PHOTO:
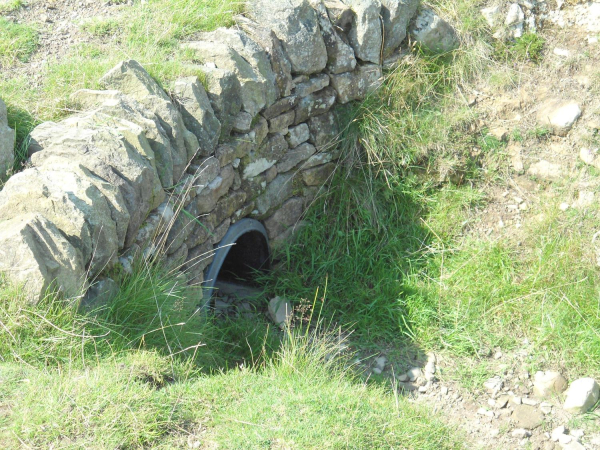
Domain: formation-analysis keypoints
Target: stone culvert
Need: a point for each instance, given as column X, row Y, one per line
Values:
column 139, row 169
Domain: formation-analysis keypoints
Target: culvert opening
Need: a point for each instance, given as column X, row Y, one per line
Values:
column 241, row 255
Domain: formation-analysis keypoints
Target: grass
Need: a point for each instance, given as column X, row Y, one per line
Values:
column 529, row 47
column 7, row 6
column 17, row 42
column 391, row 240
column 73, row 381
column 100, row 27
column 497, row 293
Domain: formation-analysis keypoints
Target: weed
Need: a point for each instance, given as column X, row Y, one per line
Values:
column 538, row 132
column 17, row 42
column 489, row 143
column 517, row 135
column 528, row 47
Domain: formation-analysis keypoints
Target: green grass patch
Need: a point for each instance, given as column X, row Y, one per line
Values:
column 298, row 399
column 17, row 42
column 483, row 294
column 100, row 27
column 125, row 377
column 529, row 47
column 7, row 6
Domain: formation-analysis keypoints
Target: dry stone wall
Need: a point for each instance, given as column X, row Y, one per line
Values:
column 252, row 134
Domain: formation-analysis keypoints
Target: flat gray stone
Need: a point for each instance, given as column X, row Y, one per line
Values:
column 527, row 417
column 280, row 312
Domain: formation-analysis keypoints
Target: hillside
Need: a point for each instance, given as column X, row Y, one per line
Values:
column 444, row 281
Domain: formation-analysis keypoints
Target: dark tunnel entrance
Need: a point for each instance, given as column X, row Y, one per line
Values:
column 249, row 254
column 242, row 252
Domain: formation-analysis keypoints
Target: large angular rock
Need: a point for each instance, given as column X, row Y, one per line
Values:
column 264, row 157
column 36, row 254
column 115, row 150
column 180, row 229
column 365, row 34
column 234, row 50
column 280, row 106
column 317, row 176
column 99, row 295
column 358, row 84
column 396, row 15
column 130, row 78
column 340, row 55
column 296, row 24
column 297, row 135
column 223, row 89
column 207, row 200
column 116, row 104
column 547, row 384
column 582, row 395
column 433, row 33
column 559, row 115
column 340, row 14
column 311, row 85
column 66, row 197
column 7, row 143
column 280, row 64
column 198, row 115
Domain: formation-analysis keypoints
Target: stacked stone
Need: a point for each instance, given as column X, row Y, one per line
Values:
column 273, row 84
column 7, row 142
column 143, row 171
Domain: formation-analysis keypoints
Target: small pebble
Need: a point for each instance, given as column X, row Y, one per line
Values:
column 380, row 362
column 529, row 401
column 521, row 433
column 562, row 52
column 414, row 373
column 557, row 432
column 565, row 439
column 546, row 407
column 577, row 434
